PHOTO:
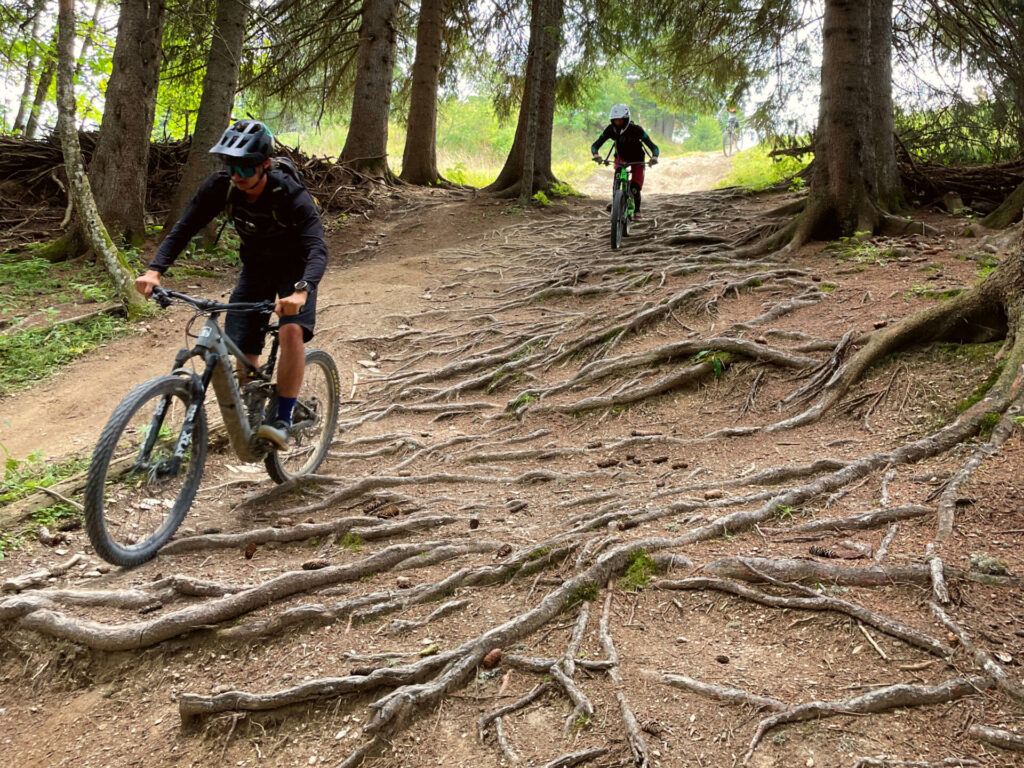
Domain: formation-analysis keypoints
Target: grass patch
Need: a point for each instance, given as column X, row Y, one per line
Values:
column 638, row 572
column 981, row 390
column 927, row 292
column 989, row 423
column 27, row 285
column 24, row 478
column 861, row 250
column 753, row 169
column 524, row 399
column 585, row 593
column 27, row 357
column 353, row 542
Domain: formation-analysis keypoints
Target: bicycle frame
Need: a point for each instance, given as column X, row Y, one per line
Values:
column 216, row 349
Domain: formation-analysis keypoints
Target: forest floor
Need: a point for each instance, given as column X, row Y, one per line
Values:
column 538, row 452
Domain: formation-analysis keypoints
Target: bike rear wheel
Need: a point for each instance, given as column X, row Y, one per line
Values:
column 138, row 492
column 618, row 217
column 314, row 421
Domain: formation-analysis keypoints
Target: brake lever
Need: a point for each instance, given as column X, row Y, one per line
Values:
column 160, row 297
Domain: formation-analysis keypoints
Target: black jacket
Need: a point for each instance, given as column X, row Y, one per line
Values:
column 628, row 143
column 282, row 237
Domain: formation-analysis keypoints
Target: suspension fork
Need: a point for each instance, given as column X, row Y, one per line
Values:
column 198, row 386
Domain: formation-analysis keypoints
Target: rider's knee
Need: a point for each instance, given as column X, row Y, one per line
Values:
column 290, row 335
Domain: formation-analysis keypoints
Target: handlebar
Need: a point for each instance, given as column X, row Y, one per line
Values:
column 165, row 298
column 617, row 164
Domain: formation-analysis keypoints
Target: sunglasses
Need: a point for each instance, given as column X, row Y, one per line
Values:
column 245, row 171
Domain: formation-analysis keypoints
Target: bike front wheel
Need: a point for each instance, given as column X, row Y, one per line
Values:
column 727, row 144
column 313, row 421
column 618, row 217
column 145, row 471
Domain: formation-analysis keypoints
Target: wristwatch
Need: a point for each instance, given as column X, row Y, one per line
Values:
column 303, row 285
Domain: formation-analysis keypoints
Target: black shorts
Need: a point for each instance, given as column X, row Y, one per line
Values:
column 248, row 329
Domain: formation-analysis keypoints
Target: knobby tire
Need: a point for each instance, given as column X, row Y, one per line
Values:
column 116, row 448
column 283, row 467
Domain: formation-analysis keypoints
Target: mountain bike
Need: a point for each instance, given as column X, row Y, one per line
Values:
column 149, row 459
column 623, row 206
column 730, row 140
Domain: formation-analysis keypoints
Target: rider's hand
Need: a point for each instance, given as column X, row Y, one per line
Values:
column 147, row 281
column 290, row 304
column 654, row 160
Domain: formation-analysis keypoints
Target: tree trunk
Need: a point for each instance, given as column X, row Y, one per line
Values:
column 119, row 167
column 42, row 88
column 219, row 86
column 366, row 145
column 419, row 161
column 91, row 224
column 1008, row 211
column 888, row 188
column 854, row 150
column 25, row 104
column 510, row 179
column 530, row 106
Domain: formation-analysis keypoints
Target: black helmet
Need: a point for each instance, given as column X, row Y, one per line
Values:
column 247, row 142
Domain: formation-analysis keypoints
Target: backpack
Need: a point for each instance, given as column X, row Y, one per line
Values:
column 286, row 166
column 289, row 169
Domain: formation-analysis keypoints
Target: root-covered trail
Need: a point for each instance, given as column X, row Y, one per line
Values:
column 560, row 525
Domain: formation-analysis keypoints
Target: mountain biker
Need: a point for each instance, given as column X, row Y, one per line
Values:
column 283, row 254
column 732, row 124
column 629, row 140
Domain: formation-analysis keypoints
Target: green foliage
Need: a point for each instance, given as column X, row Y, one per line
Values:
column 784, row 512
column 582, row 721
column 718, row 360
column 585, row 593
column 24, row 477
column 352, row 541
column 564, row 189
column 925, row 291
column 29, row 356
column 638, row 572
column 982, row 389
column 524, row 399
column 754, row 169
column 861, row 249
column 989, row 423
column 541, row 199
column 705, row 136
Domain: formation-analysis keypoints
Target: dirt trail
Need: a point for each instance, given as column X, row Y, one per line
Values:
column 394, row 265
column 693, row 172
column 514, row 488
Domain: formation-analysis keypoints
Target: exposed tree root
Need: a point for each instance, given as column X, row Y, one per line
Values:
column 997, row 737
column 809, row 571
column 817, row 602
column 950, row 495
column 981, row 658
column 859, row 522
column 891, row 697
column 720, row 693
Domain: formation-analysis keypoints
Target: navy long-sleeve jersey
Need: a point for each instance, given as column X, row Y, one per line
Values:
column 628, row 142
column 281, row 233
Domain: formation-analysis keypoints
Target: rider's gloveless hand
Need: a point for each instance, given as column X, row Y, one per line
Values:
column 147, row 281
column 290, row 304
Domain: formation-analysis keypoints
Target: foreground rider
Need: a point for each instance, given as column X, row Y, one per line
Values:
column 629, row 140
column 283, row 254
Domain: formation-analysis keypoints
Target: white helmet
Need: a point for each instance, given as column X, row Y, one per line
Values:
column 619, row 110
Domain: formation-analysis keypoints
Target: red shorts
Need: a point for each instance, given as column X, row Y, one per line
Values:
column 636, row 173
